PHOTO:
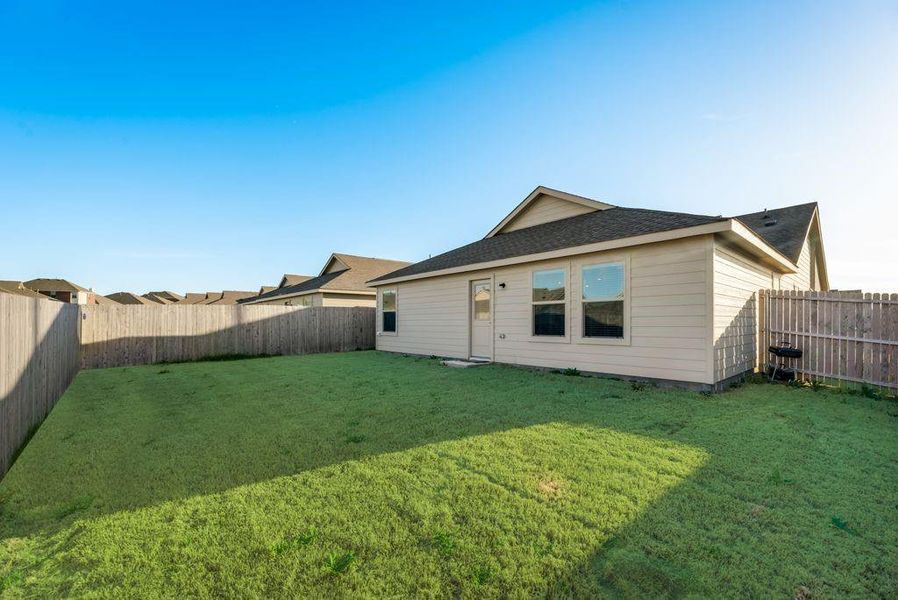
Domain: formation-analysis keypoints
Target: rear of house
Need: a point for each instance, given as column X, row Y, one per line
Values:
column 568, row 282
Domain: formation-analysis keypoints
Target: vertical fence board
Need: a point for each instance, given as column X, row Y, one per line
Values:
column 137, row 335
column 39, row 354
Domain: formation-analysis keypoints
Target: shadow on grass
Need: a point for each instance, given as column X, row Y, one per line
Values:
column 776, row 465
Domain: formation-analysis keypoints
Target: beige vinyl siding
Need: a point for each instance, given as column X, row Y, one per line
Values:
column 431, row 317
column 669, row 315
column 800, row 280
column 737, row 279
column 332, row 299
column 315, row 298
column 545, row 209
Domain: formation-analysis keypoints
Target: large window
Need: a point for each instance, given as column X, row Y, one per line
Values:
column 603, row 300
column 548, row 302
column 388, row 310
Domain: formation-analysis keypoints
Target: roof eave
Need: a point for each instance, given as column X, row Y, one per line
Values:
column 731, row 226
column 760, row 247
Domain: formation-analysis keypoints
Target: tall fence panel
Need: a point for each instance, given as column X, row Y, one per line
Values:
column 846, row 336
column 39, row 356
column 114, row 336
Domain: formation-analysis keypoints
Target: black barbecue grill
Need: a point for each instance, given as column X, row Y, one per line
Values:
column 778, row 369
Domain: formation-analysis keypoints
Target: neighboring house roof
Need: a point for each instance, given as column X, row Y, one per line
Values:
column 291, row 279
column 17, row 288
column 341, row 273
column 267, row 288
column 211, row 297
column 193, row 298
column 156, row 299
column 54, row 285
column 130, row 298
column 609, row 223
column 103, row 300
column 165, row 296
column 232, row 296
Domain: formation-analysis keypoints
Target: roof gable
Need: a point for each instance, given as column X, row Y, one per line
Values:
column 544, row 205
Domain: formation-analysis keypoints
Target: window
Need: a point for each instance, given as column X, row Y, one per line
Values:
column 548, row 302
column 388, row 310
column 303, row 301
column 603, row 300
column 481, row 302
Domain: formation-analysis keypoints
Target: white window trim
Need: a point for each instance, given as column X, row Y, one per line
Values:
column 380, row 310
column 578, row 310
column 552, row 339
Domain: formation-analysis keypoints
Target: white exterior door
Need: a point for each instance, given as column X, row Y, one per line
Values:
column 482, row 319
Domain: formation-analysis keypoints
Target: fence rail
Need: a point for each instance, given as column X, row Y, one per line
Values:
column 39, row 348
column 114, row 336
column 844, row 336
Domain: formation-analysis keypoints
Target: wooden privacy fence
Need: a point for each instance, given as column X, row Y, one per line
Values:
column 848, row 336
column 115, row 336
column 39, row 348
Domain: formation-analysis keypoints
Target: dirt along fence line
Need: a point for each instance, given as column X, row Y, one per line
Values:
column 113, row 336
column 39, row 357
column 844, row 336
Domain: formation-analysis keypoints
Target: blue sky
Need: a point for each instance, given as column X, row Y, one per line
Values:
column 217, row 146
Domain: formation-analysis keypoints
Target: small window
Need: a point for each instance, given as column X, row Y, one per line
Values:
column 548, row 302
column 388, row 310
column 482, row 302
column 603, row 300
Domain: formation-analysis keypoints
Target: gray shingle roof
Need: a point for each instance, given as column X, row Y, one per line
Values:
column 605, row 225
column 782, row 228
column 599, row 226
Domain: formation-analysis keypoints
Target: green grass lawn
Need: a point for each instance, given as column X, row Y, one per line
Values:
column 375, row 475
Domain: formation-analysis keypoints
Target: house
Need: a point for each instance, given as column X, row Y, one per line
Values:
column 341, row 282
column 164, row 297
column 17, row 288
column 130, row 298
column 62, row 290
column 266, row 288
column 569, row 282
